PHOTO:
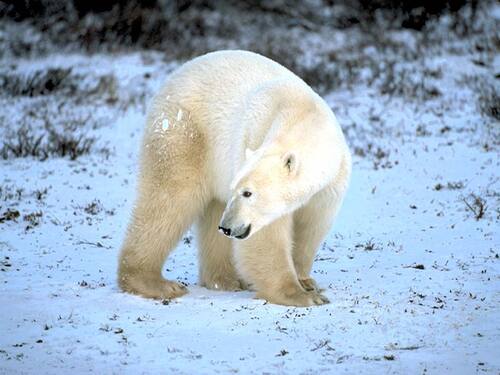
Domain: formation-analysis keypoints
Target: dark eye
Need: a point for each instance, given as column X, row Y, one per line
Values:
column 247, row 194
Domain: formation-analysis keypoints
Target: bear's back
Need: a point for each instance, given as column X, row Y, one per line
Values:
column 230, row 69
column 213, row 85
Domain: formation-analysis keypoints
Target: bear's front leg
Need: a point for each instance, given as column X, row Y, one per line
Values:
column 312, row 222
column 265, row 261
column 215, row 252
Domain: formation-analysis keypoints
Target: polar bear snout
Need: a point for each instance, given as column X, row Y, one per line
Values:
column 241, row 232
column 232, row 227
column 225, row 231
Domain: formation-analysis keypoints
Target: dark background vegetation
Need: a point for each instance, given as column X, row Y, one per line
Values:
column 184, row 27
column 298, row 34
column 281, row 30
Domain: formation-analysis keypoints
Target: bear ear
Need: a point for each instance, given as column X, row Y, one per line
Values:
column 291, row 163
column 248, row 153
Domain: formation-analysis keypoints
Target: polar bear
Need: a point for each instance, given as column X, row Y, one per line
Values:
column 243, row 147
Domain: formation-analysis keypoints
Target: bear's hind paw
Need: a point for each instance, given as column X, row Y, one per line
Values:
column 154, row 288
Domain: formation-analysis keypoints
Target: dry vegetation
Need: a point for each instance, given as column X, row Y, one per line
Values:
column 299, row 37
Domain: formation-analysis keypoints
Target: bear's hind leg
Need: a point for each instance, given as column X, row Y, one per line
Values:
column 161, row 216
column 215, row 252
column 265, row 261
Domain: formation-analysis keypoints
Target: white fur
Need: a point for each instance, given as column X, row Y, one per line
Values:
column 219, row 107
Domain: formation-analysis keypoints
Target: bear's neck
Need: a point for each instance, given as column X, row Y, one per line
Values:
column 315, row 139
column 298, row 121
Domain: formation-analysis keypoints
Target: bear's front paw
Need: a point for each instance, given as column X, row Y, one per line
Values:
column 308, row 299
column 300, row 298
column 318, row 298
column 223, row 284
column 310, row 285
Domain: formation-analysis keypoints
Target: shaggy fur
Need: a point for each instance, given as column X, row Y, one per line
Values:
column 197, row 165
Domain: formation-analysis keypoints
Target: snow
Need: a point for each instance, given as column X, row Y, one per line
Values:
column 164, row 124
column 412, row 276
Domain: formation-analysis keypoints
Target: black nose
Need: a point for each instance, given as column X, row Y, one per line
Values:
column 226, row 231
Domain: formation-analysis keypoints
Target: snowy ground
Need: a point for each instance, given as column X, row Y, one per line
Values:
column 412, row 274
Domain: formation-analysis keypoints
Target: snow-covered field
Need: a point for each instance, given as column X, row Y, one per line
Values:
column 411, row 266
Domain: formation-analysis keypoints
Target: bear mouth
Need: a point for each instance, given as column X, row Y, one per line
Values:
column 244, row 234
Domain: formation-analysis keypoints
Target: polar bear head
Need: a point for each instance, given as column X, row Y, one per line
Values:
column 264, row 189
